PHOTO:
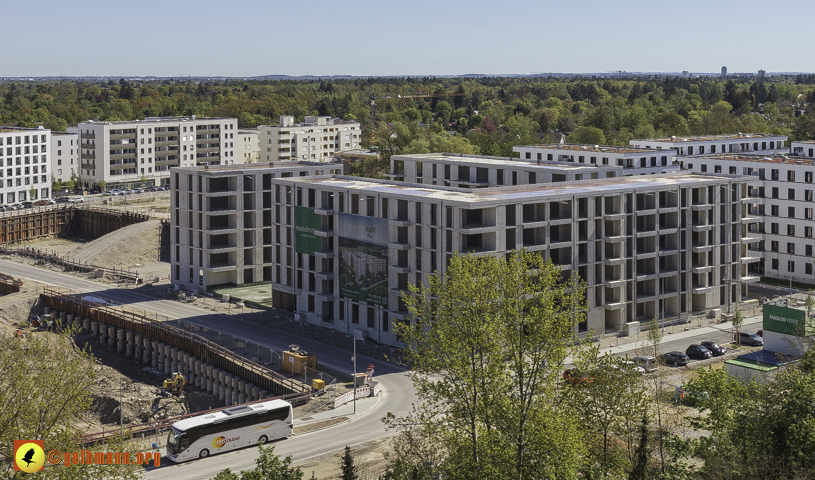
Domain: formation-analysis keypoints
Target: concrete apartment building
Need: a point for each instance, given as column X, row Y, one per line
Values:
column 475, row 171
column 26, row 164
column 131, row 153
column 804, row 148
column 782, row 197
column 220, row 223
column 316, row 139
column 647, row 246
column 634, row 161
column 249, row 146
column 758, row 143
column 64, row 155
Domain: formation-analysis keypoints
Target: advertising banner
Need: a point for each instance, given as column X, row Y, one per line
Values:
column 363, row 257
column 784, row 320
column 306, row 222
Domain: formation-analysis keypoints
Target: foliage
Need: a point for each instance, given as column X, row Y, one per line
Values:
column 44, row 386
column 738, row 321
column 268, row 466
column 486, row 346
column 348, row 471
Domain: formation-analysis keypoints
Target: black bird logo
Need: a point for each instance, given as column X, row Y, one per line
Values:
column 27, row 458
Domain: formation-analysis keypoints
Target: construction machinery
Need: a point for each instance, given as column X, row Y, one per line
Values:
column 175, row 384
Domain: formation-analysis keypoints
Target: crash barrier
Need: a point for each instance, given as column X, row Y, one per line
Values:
column 370, row 390
column 205, row 364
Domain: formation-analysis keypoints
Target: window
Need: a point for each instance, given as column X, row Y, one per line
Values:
column 774, row 228
column 808, row 195
column 808, row 176
column 791, row 194
column 732, row 170
column 808, row 232
column 791, row 230
column 791, row 212
column 791, row 176
column 717, row 169
column 809, row 250
column 808, row 268
column 774, row 210
column 774, row 264
column 791, row 266
column 790, row 247
column 774, row 246
column 808, row 213
column 775, row 192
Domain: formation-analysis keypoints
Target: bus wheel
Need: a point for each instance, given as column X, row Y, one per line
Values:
column 263, row 439
column 204, row 453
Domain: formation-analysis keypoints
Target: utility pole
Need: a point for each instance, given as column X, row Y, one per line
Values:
column 121, row 409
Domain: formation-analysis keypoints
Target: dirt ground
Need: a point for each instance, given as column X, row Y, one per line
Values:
column 371, row 459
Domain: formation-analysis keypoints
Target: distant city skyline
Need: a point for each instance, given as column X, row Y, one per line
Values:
column 243, row 38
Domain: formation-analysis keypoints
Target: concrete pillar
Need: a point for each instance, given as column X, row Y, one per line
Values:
column 47, row 310
column 263, row 394
column 247, row 390
column 86, row 325
column 235, row 390
column 221, row 385
column 168, row 359
column 216, row 382
column 63, row 317
column 69, row 319
column 208, row 376
column 120, row 340
column 137, row 343
column 147, row 353
column 185, row 362
column 196, row 370
column 95, row 329
column 241, row 391
column 111, row 337
column 174, row 360
column 129, row 343
column 158, row 356
column 255, row 392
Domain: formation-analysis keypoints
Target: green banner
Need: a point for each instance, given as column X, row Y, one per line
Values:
column 784, row 320
column 306, row 222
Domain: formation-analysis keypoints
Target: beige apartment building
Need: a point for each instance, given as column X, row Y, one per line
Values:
column 142, row 152
column 64, row 155
column 316, row 139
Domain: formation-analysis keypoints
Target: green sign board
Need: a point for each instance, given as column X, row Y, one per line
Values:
column 306, row 223
column 784, row 320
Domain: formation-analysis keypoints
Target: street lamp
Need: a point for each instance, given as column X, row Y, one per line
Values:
column 355, row 374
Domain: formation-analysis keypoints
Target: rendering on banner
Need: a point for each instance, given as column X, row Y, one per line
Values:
column 363, row 244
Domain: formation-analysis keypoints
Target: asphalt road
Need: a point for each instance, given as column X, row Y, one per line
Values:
column 397, row 397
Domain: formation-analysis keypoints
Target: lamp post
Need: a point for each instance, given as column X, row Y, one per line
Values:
column 355, row 375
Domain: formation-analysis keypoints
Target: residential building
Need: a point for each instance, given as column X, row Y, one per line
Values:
column 26, row 165
column 634, row 161
column 249, row 146
column 475, row 171
column 64, row 156
column 316, row 139
column 712, row 144
column 661, row 246
column 804, row 148
column 141, row 152
column 782, row 197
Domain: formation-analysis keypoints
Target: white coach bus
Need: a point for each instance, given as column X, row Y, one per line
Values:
column 205, row 435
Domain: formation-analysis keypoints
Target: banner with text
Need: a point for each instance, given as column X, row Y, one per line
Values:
column 306, row 222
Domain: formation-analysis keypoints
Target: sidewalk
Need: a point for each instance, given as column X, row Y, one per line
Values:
column 342, row 413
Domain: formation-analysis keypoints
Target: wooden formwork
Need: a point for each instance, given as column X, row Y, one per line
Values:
column 209, row 352
column 48, row 222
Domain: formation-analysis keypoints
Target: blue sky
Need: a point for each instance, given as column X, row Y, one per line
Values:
column 422, row 37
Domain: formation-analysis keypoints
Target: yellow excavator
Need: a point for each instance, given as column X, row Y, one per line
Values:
column 175, row 384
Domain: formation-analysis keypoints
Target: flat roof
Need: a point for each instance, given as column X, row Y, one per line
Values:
column 502, row 161
column 709, row 138
column 803, row 141
column 237, row 169
column 214, row 416
column 512, row 193
column 595, row 148
column 156, row 120
column 766, row 357
column 22, row 129
column 750, row 365
column 757, row 158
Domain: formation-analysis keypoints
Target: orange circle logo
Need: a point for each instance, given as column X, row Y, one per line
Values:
column 218, row 442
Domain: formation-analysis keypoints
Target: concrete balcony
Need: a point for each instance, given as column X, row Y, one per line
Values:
column 324, row 211
column 644, row 255
column 647, row 297
column 615, row 216
column 399, row 269
column 701, row 290
column 750, row 239
column 750, row 259
column 88, row 156
column 567, row 243
column 324, row 233
column 647, row 233
column 560, row 221
column 647, row 211
column 701, row 228
column 87, row 136
column 399, row 223
column 123, row 156
column 207, row 149
column 120, row 136
column 615, row 261
column 753, row 200
column 703, row 206
column 750, row 219
column 701, row 248
column 615, row 283
column 646, row 276
column 668, row 230
column 750, row 279
column 616, row 239
column 166, row 143
column 399, row 246
column 395, row 176
column 324, row 276
column 615, row 305
column 702, row 269
column 324, row 254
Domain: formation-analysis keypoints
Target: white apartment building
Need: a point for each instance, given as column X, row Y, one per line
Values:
column 141, row 152
column 26, row 166
column 316, row 139
column 758, row 143
column 249, row 146
column 782, row 197
column 64, row 155
column 634, row 161
column 477, row 171
column 804, row 148
column 648, row 246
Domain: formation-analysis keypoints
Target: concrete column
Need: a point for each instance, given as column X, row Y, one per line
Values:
column 63, row 317
column 247, row 390
column 120, row 340
column 174, row 360
column 129, row 343
column 69, row 319
column 111, row 337
column 235, row 390
column 185, row 363
column 86, row 325
column 158, row 356
column 168, row 359
column 263, row 394
column 241, row 391
column 197, row 373
column 255, row 393
column 208, row 375
column 221, row 385
column 95, row 330
column 137, row 340
column 47, row 310
column 216, row 382
column 147, row 354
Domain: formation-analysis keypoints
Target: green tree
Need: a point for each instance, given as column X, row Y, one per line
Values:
column 738, row 321
column 270, row 467
column 348, row 471
column 486, row 345
column 643, row 453
column 587, row 136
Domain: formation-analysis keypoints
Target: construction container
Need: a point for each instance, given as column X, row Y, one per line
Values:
column 294, row 362
column 359, row 379
column 318, row 384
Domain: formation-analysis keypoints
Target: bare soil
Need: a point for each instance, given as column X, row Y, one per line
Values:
column 371, row 459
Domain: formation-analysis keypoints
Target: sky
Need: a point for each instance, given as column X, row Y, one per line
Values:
column 238, row 38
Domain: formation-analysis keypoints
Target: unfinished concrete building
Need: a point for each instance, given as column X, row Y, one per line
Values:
column 660, row 246
column 633, row 161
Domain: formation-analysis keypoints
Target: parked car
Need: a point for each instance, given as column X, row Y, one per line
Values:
column 137, row 190
column 573, row 376
column 16, row 206
column 675, row 358
column 715, row 348
column 647, row 362
column 698, row 351
column 5, row 208
column 27, row 204
column 40, row 203
column 747, row 338
column 76, row 200
column 630, row 365
column 115, row 192
column 63, row 200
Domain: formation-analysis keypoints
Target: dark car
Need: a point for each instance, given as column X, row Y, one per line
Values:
column 27, row 204
column 675, row 358
column 750, row 339
column 698, row 351
column 714, row 348
column 63, row 200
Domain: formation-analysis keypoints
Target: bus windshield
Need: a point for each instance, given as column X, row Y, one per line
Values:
column 173, row 440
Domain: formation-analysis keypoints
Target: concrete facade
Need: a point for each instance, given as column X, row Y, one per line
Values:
column 648, row 246
column 782, row 197
column 633, row 161
column 316, row 139
column 131, row 153
column 64, row 155
column 475, row 171
column 713, row 144
column 249, row 146
column 25, row 160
